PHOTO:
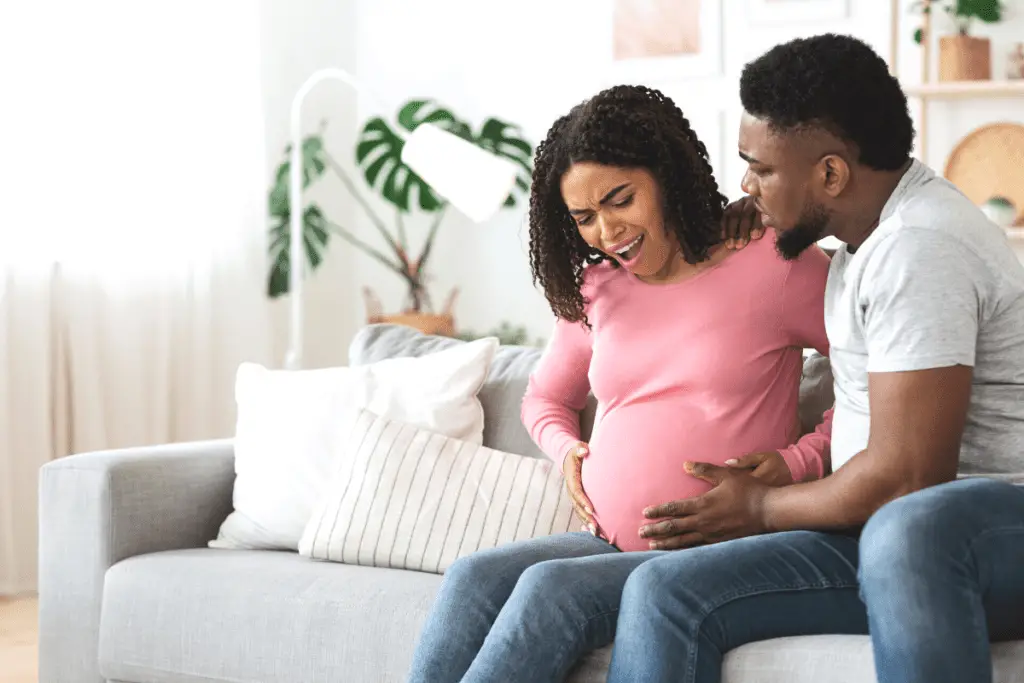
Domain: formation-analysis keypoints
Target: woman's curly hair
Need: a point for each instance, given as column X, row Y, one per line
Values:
column 628, row 127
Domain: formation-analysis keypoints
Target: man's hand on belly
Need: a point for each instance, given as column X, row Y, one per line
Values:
column 734, row 508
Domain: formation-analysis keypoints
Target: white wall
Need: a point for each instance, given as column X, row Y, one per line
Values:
column 529, row 62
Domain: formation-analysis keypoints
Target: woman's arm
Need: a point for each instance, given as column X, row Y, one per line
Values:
column 803, row 324
column 558, row 389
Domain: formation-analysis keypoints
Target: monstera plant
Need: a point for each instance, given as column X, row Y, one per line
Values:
column 378, row 158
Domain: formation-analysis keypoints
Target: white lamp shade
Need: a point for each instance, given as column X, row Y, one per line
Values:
column 473, row 180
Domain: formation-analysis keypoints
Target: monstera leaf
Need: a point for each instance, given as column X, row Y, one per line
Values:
column 315, row 232
column 379, row 154
column 313, row 167
column 315, row 237
column 504, row 140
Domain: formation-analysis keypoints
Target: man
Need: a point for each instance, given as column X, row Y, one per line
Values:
column 925, row 318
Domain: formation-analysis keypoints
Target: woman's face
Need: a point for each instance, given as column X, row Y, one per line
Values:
column 619, row 212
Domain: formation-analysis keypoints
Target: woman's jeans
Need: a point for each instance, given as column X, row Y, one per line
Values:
column 933, row 577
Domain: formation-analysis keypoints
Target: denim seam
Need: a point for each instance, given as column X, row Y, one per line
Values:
column 593, row 617
column 979, row 621
column 747, row 592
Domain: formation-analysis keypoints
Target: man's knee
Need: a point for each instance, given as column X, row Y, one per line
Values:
column 921, row 530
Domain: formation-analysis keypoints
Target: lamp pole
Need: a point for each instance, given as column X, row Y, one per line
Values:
column 296, row 260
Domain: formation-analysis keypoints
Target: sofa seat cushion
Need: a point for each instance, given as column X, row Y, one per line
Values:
column 197, row 616
column 258, row 616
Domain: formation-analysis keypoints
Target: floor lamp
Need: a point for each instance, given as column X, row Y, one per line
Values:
column 471, row 179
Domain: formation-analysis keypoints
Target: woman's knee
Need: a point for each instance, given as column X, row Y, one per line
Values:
column 659, row 580
column 475, row 568
column 550, row 580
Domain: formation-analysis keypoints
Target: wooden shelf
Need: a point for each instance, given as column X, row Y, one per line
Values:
column 964, row 89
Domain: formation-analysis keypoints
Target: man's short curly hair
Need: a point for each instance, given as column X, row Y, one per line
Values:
column 837, row 83
column 627, row 127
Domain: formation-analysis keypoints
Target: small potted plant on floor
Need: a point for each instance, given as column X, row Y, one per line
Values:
column 378, row 155
column 962, row 56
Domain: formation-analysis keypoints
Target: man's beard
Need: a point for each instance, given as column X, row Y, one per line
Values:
column 808, row 230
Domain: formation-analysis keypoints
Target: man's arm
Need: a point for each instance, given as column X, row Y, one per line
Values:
column 917, row 420
column 923, row 297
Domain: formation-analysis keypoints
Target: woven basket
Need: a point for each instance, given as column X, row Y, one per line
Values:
column 989, row 163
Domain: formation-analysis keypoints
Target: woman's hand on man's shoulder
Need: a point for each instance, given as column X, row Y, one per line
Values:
column 741, row 223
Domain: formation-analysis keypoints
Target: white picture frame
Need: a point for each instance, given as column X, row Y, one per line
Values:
column 795, row 11
column 707, row 63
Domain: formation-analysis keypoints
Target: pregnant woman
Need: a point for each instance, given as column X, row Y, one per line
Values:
column 693, row 351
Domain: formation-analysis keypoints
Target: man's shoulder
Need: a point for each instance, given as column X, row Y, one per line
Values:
column 936, row 211
column 934, row 223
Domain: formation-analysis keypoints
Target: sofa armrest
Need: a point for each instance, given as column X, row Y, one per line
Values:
column 96, row 509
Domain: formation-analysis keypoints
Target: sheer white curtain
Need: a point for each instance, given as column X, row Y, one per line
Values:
column 132, row 266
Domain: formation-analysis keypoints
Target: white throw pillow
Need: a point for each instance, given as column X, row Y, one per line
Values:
column 407, row 498
column 290, row 428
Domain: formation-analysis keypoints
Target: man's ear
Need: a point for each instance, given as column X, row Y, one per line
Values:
column 834, row 174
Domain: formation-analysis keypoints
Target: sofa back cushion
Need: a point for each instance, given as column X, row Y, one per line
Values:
column 503, row 390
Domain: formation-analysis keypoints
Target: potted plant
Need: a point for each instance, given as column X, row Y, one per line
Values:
column 378, row 153
column 963, row 57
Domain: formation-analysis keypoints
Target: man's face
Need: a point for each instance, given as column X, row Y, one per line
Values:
column 781, row 177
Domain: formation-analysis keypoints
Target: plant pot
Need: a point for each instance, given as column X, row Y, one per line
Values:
column 428, row 323
column 442, row 324
column 965, row 58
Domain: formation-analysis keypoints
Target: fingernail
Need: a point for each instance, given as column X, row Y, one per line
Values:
column 655, row 545
column 583, row 527
column 587, row 508
column 593, row 530
column 688, row 466
column 732, row 461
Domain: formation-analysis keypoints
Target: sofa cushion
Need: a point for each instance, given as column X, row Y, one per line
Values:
column 196, row 616
column 501, row 394
column 408, row 498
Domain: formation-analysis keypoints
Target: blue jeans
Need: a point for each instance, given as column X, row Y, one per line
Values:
column 934, row 575
column 526, row 611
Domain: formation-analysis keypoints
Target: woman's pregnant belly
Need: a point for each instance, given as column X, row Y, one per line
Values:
column 636, row 461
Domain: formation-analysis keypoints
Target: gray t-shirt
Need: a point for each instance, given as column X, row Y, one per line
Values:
column 936, row 284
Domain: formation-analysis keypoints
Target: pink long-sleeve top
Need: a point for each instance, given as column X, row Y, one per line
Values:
column 706, row 369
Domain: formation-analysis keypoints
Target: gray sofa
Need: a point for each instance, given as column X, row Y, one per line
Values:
column 129, row 591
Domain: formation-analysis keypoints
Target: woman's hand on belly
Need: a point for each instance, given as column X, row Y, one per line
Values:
column 572, row 470
column 769, row 467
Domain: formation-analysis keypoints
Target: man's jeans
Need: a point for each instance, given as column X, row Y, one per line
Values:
column 935, row 575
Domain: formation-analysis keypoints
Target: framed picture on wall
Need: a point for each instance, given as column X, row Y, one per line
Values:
column 666, row 39
column 795, row 11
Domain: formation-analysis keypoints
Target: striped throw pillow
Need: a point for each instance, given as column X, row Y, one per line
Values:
column 407, row 498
